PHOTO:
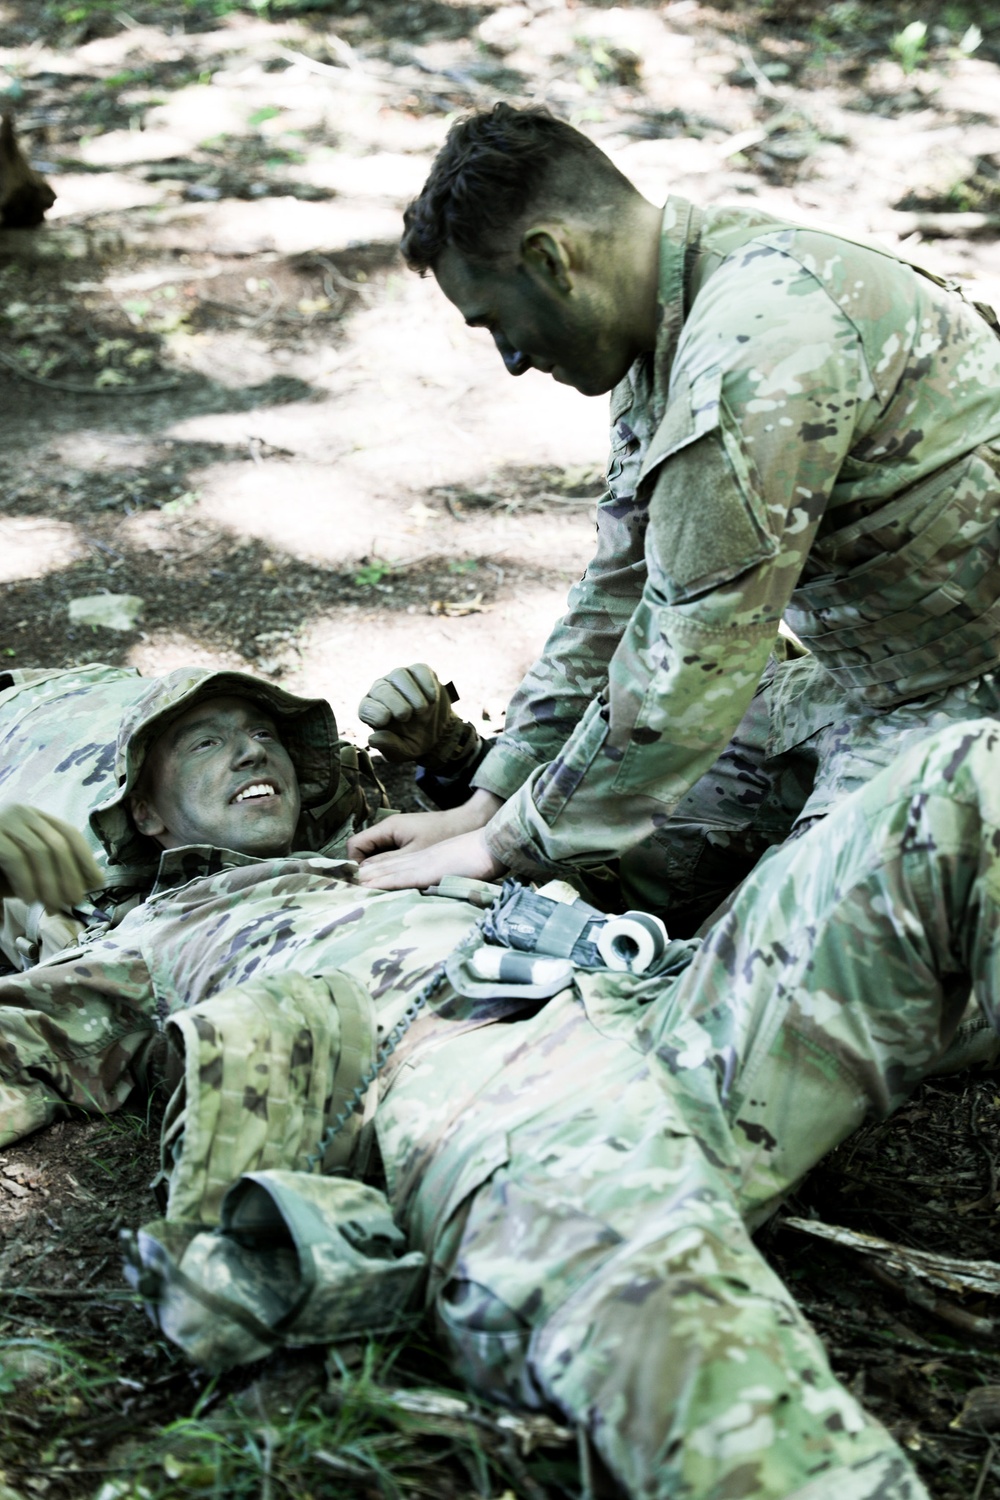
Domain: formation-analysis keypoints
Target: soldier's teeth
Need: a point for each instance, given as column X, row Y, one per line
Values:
column 261, row 789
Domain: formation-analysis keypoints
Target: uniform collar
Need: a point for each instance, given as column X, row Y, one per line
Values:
column 194, row 861
column 179, row 867
column 679, row 239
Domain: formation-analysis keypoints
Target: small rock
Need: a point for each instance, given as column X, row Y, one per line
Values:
column 112, row 611
column 21, row 1363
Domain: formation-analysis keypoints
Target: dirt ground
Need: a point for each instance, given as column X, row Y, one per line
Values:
column 224, row 396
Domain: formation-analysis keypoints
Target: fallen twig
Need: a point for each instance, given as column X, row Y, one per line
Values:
column 72, row 1294
column 991, row 1454
column 956, row 1317
column 86, row 390
column 989, row 1198
column 948, row 1271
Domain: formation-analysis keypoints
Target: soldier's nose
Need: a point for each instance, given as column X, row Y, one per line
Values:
column 249, row 752
column 515, row 362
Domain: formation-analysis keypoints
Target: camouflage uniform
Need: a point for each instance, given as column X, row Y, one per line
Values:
column 582, row 1179
column 69, row 742
column 814, row 437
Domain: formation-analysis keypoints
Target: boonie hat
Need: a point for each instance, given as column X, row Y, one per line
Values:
column 307, row 728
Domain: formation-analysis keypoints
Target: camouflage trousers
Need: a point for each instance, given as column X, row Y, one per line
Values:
column 801, row 746
column 589, row 1196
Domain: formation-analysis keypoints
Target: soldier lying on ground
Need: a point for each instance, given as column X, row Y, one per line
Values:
column 801, row 426
column 575, row 1161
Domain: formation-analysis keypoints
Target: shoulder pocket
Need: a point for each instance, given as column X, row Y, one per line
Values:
column 707, row 516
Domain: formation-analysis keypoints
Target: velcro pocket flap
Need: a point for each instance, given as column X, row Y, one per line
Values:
column 693, row 410
column 708, row 518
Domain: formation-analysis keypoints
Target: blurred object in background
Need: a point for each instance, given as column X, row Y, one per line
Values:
column 25, row 196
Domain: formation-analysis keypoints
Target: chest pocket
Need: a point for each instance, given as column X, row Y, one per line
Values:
column 707, row 515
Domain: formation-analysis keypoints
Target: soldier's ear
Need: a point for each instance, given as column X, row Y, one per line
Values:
column 145, row 817
column 546, row 253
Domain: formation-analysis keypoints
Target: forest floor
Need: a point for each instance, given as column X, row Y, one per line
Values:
column 225, row 399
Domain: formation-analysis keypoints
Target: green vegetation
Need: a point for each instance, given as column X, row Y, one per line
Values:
column 374, row 572
column 355, row 1426
column 910, row 45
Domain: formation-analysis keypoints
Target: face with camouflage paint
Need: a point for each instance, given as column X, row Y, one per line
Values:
column 571, row 303
column 219, row 775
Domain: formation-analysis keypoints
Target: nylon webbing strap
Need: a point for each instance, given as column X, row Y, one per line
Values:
column 562, row 929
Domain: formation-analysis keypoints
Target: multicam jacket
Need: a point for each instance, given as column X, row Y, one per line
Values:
column 72, row 741
column 815, row 436
column 79, row 1027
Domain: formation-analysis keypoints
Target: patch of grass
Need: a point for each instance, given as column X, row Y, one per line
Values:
column 78, row 11
column 374, row 572
column 353, row 1428
column 52, row 1373
column 355, row 1437
column 181, row 503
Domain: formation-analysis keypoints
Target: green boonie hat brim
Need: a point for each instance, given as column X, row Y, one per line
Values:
column 308, row 732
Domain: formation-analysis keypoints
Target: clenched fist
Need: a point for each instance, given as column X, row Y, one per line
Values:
column 44, row 859
column 411, row 714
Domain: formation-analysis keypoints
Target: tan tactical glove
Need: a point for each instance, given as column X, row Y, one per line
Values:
column 44, row 859
column 411, row 714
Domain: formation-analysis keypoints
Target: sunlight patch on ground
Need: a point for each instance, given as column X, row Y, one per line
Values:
column 415, row 399
column 124, row 148
column 201, row 112
column 164, row 651
column 156, row 531
column 382, row 174
column 31, row 547
column 675, row 165
column 344, row 651
column 230, row 356
column 93, row 449
column 335, row 515
column 286, row 225
column 79, row 193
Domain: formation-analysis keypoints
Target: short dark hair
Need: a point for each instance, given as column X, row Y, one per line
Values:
column 495, row 166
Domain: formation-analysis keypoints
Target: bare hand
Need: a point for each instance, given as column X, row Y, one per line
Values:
column 406, row 869
column 413, row 831
column 44, row 859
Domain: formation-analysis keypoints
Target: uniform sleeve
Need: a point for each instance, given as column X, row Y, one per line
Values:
column 767, row 392
column 69, row 1034
column 572, row 669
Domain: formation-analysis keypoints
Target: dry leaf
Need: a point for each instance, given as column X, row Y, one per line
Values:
column 981, row 1412
column 454, row 608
